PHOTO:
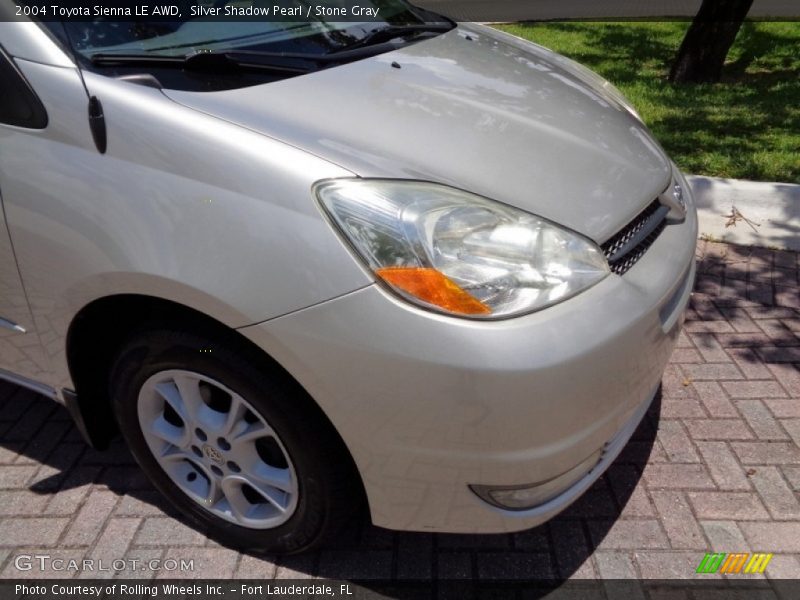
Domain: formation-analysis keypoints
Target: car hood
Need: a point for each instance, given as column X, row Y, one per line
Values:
column 476, row 109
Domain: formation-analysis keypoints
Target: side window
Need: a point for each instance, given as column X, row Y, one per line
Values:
column 19, row 105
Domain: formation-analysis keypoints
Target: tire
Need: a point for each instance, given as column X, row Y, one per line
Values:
column 271, row 426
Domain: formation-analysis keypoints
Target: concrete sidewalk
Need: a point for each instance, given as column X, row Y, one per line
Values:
column 750, row 213
column 715, row 466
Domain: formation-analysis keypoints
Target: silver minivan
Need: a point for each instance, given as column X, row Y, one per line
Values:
column 418, row 267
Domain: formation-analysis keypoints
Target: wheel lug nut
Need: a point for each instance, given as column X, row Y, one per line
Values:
column 216, row 470
column 233, row 466
column 223, row 444
column 201, row 434
column 197, row 452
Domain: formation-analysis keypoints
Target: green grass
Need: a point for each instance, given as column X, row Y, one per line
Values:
column 747, row 126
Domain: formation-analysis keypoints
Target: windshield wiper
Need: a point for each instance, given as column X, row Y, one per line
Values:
column 373, row 43
column 204, row 61
column 386, row 34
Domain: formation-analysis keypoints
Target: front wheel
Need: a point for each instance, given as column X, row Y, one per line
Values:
column 239, row 449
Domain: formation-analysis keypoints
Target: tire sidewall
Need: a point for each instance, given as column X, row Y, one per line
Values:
column 275, row 402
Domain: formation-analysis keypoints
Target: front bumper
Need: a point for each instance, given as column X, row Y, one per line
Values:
column 429, row 404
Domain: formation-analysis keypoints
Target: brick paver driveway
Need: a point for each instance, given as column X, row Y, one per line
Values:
column 715, row 466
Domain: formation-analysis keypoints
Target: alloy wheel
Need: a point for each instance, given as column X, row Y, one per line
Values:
column 217, row 449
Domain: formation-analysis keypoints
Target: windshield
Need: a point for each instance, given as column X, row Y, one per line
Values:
column 216, row 27
column 212, row 26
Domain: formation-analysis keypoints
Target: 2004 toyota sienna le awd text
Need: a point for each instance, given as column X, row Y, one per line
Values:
column 424, row 264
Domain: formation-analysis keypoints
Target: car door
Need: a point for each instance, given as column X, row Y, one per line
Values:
column 21, row 356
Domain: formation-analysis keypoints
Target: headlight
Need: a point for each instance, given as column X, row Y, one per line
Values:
column 454, row 252
column 678, row 196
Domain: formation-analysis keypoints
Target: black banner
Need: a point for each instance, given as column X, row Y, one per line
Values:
column 369, row 10
column 317, row 589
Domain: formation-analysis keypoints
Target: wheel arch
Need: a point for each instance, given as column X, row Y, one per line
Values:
column 101, row 328
column 97, row 332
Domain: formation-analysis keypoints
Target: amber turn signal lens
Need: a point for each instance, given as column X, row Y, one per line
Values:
column 434, row 288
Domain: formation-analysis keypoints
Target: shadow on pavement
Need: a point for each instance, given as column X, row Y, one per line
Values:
column 37, row 430
column 734, row 286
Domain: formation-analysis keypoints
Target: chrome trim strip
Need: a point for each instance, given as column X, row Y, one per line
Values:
column 35, row 386
column 5, row 323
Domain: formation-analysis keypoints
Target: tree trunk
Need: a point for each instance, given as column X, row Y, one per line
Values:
column 710, row 36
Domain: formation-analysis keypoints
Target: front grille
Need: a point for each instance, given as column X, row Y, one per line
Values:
column 627, row 246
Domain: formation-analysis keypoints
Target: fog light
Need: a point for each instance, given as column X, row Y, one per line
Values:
column 523, row 497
